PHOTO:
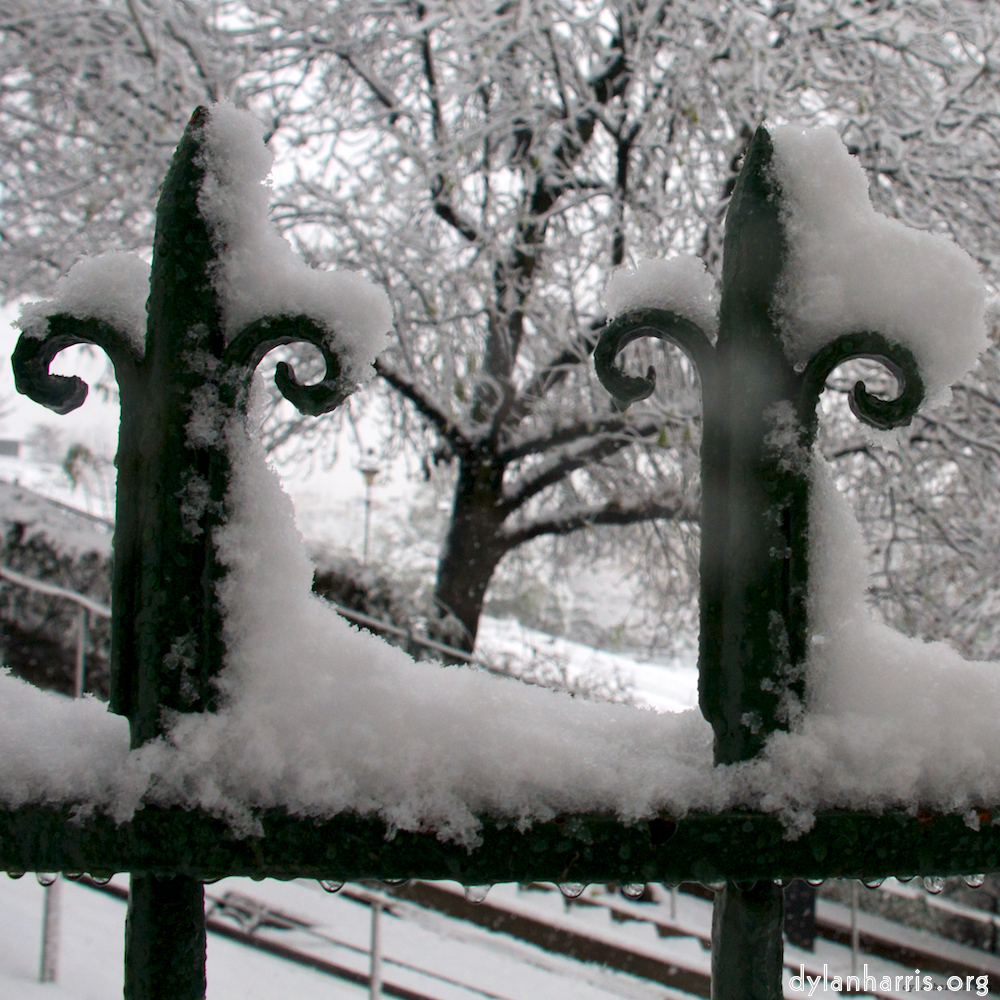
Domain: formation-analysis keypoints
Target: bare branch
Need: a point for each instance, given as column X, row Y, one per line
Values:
column 595, row 427
column 444, row 210
column 382, row 93
column 137, row 21
column 558, row 470
column 440, row 189
column 197, row 58
column 676, row 508
column 425, row 406
column 552, row 374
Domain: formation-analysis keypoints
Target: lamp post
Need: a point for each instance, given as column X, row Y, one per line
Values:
column 368, row 467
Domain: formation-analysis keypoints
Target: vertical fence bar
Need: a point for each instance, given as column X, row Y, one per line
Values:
column 173, row 472
column 753, row 568
column 165, row 938
column 758, row 431
column 166, row 568
column 753, row 619
column 746, row 942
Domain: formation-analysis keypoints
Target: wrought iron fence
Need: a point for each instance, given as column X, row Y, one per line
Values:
column 754, row 604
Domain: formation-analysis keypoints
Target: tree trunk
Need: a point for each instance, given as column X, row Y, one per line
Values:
column 471, row 551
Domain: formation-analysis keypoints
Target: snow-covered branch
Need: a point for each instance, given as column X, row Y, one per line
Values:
column 675, row 508
column 441, row 422
column 552, row 472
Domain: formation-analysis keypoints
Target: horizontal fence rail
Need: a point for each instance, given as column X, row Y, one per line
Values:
column 595, row 850
column 584, row 849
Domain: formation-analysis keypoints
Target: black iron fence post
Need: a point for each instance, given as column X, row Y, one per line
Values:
column 759, row 424
column 166, row 632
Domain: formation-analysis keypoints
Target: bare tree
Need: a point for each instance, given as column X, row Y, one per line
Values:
column 489, row 163
column 93, row 98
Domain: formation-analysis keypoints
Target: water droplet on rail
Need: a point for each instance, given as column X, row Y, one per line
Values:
column 394, row 881
column 100, row 879
column 905, row 878
column 329, row 885
column 634, row 890
column 46, row 878
column 974, row 881
column 572, row 890
column 872, row 883
column 934, row 884
column 476, row 893
column 714, row 886
column 73, row 876
column 15, row 874
column 815, row 881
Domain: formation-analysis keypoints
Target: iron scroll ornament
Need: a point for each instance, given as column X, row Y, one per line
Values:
column 173, row 469
column 759, row 426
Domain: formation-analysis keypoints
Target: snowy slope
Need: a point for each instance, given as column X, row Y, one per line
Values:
column 671, row 686
column 425, row 951
column 92, row 948
column 69, row 529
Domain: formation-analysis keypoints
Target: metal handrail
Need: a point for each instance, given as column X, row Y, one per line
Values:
column 53, row 590
column 440, row 647
column 108, row 522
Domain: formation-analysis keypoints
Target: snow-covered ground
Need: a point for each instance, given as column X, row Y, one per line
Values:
column 424, row 950
column 670, row 686
column 92, row 948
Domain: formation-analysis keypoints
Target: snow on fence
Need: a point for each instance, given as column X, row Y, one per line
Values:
column 253, row 731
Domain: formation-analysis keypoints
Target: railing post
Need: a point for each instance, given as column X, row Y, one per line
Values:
column 375, row 968
column 165, row 938
column 746, row 941
column 181, row 393
column 759, row 426
column 754, row 566
column 80, row 666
